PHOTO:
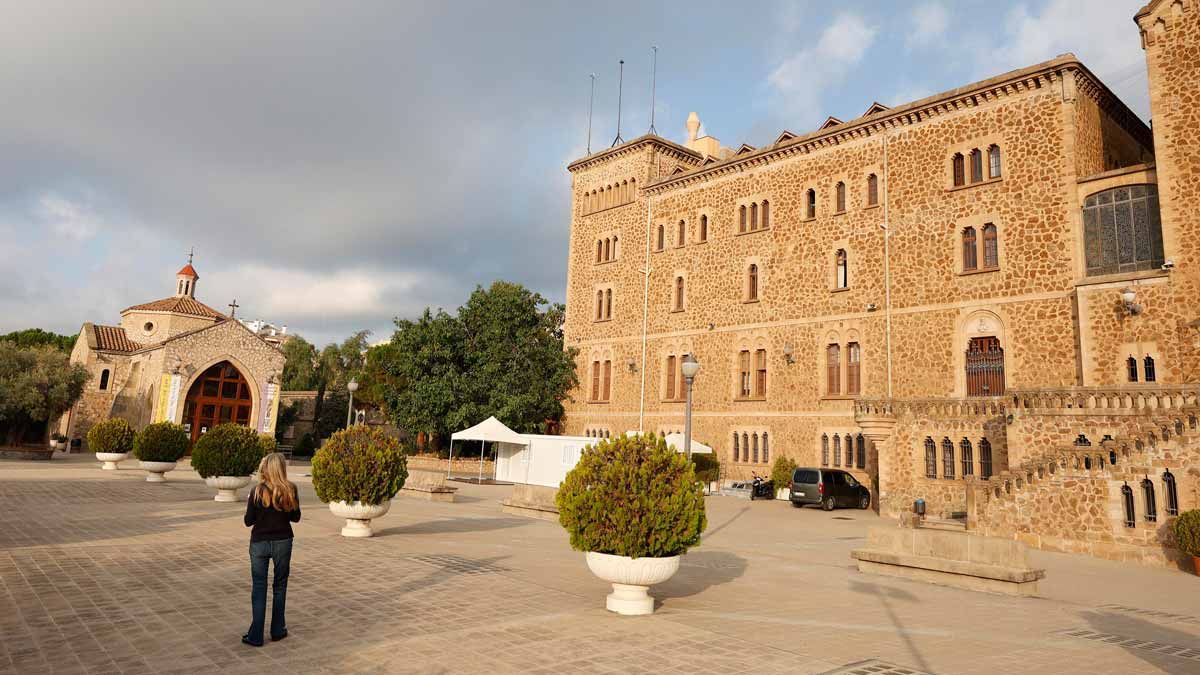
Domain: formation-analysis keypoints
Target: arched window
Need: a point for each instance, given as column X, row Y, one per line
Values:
column 969, row 250
column 849, row 451
column 841, row 197
column 766, row 214
column 678, row 294
column 947, row 458
column 872, row 190
column 811, row 204
column 833, row 370
column 976, row 165
column 1168, row 479
column 984, row 362
column 670, row 375
column 760, row 373
column 599, row 305
column 994, row 161
column 862, row 452
column 837, row 450
column 841, row 269
column 608, row 304
column 1127, row 502
column 607, row 249
column 704, row 228
column 853, row 370
column 753, row 217
column 607, row 388
column 991, row 248
column 595, row 380
column 1122, row 230
column 745, row 447
column 985, row 458
column 615, row 252
column 752, row 283
column 754, row 448
column 104, row 380
column 735, row 446
column 1148, row 496
column 662, row 237
column 742, row 218
column 682, row 234
column 959, row 167
column 599, row 251
column 624, row 191
column 930, row 458
column 824, row 450
column 968, row 457
column 766, row 456
column 1148, row 366
column 1131, row 365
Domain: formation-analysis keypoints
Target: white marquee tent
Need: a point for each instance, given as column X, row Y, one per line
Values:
column 490, row 429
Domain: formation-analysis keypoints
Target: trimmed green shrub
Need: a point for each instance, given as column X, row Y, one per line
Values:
column 708, row 466
column 112, row 435
column 227, row 450
column 360, row 464
column 632, row 496
column 1187, row 532
column 781, row 472
column 267, row 443
column 304, row 447
column 161, row 442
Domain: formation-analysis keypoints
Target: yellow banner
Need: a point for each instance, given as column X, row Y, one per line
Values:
column 164, row 398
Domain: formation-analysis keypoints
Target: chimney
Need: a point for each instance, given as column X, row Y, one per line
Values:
column 705, row 145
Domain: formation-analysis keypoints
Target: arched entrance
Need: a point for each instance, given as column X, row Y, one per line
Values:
column 219, row 396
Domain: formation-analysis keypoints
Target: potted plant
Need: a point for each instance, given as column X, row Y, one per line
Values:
column 357, row 472
column 1187, row 535
column 781, row 476
column 634, row 506
column 58, row 441
column 157, row 447
column 225, row 457
column 111, row 440
column 708, row 469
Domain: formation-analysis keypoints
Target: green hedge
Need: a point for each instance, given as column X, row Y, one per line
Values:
column 111, row 435
column 227, row 450
column 632, row 496
column 708, row 466
column 1187, row 532
column 359, row 464
column 781, row 472
column 161, row 442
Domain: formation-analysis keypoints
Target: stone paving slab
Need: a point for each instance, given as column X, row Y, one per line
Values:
column 101, row 572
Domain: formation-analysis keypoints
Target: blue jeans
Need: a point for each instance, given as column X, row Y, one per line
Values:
column 280, row 552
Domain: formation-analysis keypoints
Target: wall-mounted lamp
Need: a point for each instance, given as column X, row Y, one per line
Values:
column 789, row 351
column 631, row 365
column 1129, row 297
column 871, row 307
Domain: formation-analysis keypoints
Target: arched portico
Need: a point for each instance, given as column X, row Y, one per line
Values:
column 221, row 392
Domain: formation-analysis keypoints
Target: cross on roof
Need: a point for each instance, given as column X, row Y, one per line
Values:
column 191, row 253
column 233, row 307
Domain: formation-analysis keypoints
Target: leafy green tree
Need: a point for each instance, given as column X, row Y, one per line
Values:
column 427, row 358
column 37, row 384
column 36, row 337
column 300, row 366
column 331, row 368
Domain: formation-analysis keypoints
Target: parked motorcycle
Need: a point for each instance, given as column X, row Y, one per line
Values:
column 761, row 488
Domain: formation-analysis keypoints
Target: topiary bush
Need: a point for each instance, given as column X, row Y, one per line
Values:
column 268, row 444
column 112, row 435
column 632, row 496
column 781, row 472
column 1187, row 532
column 359, row 464
column 227, row 450
column 161, row 442
column 708, row 467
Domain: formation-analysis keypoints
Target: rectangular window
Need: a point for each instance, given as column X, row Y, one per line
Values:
column 670, row 378
column 744, row 374
column 854, row 356
column 595, row 380
column 607, row 379
column 760, row 366
column 833, row 379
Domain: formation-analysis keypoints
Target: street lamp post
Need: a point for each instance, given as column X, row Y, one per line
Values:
column 351, row 386
column 690, row 367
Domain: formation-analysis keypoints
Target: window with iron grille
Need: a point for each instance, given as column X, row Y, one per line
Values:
column 754, row 447
column 811, row 204
column 824, row 450
column 976, row 166
column 994, row 161
column 947, row 458
column 967, row 454
column 862, row 452
column 841, row 196
column 735, row 446
column 1148, row 362
column 985, row 458
column 1131, row 366
column 849, row 451
column 752, row 283
column 985, row 367
column 930, row 458
column 872, row 190
column 837, row 450
column 766, row 449
column 1122, row 230
column 1151, row 506
column 842, row 269
column 1168, row 479
column 1127, row 503
column 969, row 250
column 991, row 248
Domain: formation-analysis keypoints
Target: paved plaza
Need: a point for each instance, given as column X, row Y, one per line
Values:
column 101, row 572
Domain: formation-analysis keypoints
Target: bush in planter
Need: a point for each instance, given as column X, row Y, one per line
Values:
column 1187, row 532
column 708, row 467
column 268, row 444
column 359, row 464
column 227, row 450
column 112, row 435
column 161, row 442
column 632, row 496
column 781, row 472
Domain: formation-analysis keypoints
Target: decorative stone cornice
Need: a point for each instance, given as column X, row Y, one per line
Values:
column 1152, row 28
column 668, row 148
column 1041, row 76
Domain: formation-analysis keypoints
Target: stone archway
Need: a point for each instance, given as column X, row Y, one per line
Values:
column 220, row 395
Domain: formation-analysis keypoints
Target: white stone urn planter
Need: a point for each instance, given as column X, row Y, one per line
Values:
column 227, row 486
column 155, row 470
column 358, row 516
column 783, row 493
column 631, row 579
column 111, row 459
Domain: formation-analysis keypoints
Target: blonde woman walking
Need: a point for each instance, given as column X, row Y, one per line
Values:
column 273, row 505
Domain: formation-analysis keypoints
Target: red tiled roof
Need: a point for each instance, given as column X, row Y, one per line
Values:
column 180, row 304
column 113, row 338
column 188, row 270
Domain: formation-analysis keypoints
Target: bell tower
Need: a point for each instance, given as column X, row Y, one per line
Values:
column 185, row 280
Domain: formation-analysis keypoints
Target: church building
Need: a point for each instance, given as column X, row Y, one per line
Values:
column 178, row 360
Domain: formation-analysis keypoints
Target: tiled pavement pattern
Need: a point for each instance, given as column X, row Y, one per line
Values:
column 103, row 573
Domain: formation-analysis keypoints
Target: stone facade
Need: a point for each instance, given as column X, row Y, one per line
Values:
column 827, row 286
column 147, row 368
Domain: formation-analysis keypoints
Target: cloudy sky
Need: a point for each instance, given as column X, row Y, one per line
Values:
column 336, row 165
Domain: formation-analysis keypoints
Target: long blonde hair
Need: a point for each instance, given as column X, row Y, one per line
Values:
column 274, row 488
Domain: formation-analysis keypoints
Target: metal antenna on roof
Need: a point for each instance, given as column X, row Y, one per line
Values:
column 620, row 85
column 591, row 104
column 653, row 72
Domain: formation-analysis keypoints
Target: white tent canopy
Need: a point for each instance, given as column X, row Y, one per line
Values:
column 490, row 429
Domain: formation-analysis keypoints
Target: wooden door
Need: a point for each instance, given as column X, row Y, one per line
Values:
column 985, row 367
column 219, row 396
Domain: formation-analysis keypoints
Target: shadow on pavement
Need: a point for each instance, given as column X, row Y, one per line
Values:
column 447, row 525
column 1143, row 634
column 886, row 593
column 700, row 571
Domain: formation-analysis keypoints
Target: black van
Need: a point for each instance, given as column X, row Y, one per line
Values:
column 831, row 488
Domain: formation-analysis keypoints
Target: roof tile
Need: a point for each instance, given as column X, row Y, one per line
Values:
column 180, row 304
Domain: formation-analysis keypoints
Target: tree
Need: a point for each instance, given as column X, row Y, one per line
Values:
column 37, row 384
column 427, row 357
column 35, row 337
column 300, row 365
column 306, row 369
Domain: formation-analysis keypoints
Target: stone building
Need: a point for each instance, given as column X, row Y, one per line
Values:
column 179, row 360
column 985, row 298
